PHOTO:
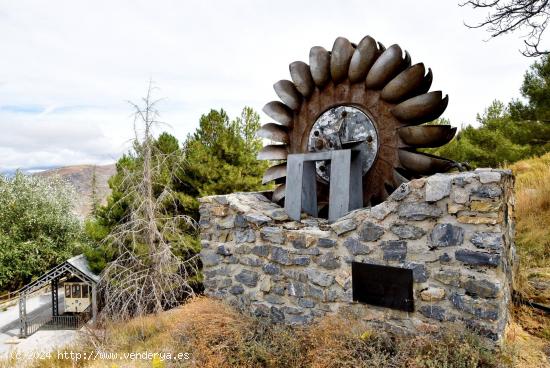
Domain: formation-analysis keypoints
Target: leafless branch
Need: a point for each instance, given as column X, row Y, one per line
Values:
column 147, row 277
column 506, row 16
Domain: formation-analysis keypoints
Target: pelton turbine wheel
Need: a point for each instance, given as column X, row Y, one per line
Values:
column 363, row 96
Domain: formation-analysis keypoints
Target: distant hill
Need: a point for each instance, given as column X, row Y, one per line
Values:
column 80, row 176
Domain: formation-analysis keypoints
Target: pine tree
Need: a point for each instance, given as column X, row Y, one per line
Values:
column 220, row 158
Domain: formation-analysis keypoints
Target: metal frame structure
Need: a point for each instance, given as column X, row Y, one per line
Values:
column 53, row 276
column 346, row 189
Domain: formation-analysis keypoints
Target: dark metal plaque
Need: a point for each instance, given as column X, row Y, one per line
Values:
column 384, row 286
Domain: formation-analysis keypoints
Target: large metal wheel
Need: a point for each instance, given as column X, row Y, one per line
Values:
column 360, row 95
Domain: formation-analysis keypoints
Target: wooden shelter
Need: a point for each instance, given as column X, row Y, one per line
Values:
column 77, row 274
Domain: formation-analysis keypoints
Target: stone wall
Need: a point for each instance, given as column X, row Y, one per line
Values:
column 455, row 231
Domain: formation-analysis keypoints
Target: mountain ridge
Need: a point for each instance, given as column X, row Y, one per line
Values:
column 81, row 177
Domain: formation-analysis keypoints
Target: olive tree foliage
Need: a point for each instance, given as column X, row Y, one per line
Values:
column 528, row 16
column 146, row 276
column 38, row 228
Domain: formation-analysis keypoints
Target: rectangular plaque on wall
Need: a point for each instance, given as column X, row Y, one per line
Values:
column 384, row 286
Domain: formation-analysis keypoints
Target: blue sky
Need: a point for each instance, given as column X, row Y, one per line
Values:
column 68, row 68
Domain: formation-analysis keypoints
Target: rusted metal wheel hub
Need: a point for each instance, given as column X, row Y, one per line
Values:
column 343, row 127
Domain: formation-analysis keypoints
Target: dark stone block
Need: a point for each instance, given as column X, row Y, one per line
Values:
column 261, row 250
column 299, row 242
column 292, row 310
column 420, row 271
column 273, row 234
column 483, row 288
column 280, row 255
column 271, row 269
column 344, row 226
column 481, row 329
column 307, row 251
column 356, row 247
column 435, row 312
column 245, row 236
column 231, row 260
column 419, row 211
column 250, row 261
column 328, row 260
column 488, row 191
column 446, row 235
column 319, row 278
column 240, row 221
column 236, row 289
column 261, row 310
column 326, row 243
column 477, row 307
column 306, row 303
column 295, row 275
column 315, row 292
column 487, row 240
column 370, row 232
column 278, row 288
column 223, row 250
column 394, row 250
column 274, row 299
column 248, row 278
column 404, row 231
column 301, row 261
column 296, row 289
column 401, row 192
column 445, row 258
column 257, row 219
column 278, row 214
column 276, row 315
column 477, row 258
column 209, row 258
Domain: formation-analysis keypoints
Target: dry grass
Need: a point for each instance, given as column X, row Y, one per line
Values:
column 533, row 211
column 532, row 194
column 217, row 335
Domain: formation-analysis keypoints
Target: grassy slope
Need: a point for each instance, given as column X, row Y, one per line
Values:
column 533, row 240
column 218, row 336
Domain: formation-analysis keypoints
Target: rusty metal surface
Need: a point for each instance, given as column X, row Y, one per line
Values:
column 421, row 109
column 427, row 135
column 364, row 56
column 386, row 67
column 386, row 97
column 386, row 125
column 288, row 93
column 273, row 152
column 319, row 64
column 301, row 76
column 274, row 172
column 405, row 84
column 343, row 127
column 279, row 112
column 340, row 57
column 424, row 164
column 274, row 132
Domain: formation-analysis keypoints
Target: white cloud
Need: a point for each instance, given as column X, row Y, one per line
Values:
column 81, row 60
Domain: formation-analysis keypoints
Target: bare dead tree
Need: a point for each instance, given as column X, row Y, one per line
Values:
column 147, row 277
column 531, row 16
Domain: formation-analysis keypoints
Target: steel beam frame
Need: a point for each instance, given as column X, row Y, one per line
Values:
column 345, row 191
